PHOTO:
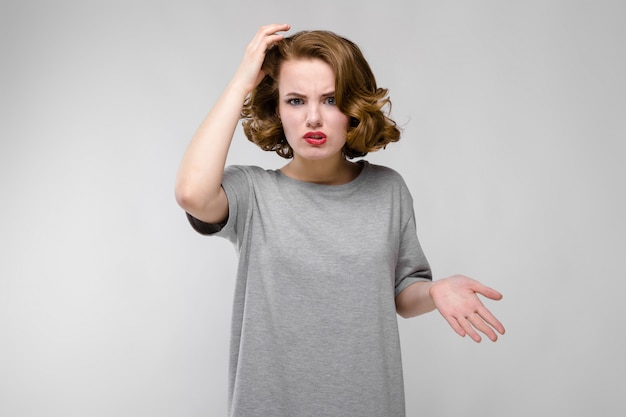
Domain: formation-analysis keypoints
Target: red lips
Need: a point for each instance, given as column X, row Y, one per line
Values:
column 315, row 138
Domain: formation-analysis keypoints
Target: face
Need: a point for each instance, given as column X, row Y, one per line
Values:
column 313, row 125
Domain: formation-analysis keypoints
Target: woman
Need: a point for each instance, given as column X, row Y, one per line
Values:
column 328, row 250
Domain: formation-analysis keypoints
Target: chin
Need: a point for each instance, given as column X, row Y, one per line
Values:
column 317, row 152
column 316, row 155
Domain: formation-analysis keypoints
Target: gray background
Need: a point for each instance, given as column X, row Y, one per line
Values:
column 513, row 116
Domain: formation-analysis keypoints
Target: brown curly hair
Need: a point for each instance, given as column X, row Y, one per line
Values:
column 356, row 95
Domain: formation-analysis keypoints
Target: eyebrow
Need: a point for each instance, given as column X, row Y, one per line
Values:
column 299, row 95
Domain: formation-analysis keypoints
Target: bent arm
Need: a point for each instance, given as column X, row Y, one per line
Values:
column 198, row 183
column 198, row 187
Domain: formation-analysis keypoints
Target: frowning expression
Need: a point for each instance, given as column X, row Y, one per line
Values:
column 314, row 126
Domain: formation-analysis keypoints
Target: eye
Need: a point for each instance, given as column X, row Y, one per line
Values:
column 331, row 101
column 295, row 101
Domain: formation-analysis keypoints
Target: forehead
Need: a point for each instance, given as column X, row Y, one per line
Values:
column 306, row 74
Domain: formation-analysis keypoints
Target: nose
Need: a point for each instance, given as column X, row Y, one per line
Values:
column 314, row 119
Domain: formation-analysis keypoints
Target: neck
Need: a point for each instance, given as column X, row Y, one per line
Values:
column 335, row 171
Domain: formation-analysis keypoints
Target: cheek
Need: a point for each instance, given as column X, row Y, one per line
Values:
column 287, row 114
column 340, row 120
column 289, row 122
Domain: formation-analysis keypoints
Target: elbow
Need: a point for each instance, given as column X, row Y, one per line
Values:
column 402, row 304
column 185, row 197
column 408, row 313
column 207, row 207
column 403, row 312
column 401, row 308
column 190, row 197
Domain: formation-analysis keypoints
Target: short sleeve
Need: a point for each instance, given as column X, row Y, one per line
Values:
column 205, row 228
column 412, row 264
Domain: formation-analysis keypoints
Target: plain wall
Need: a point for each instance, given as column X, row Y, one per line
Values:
column 513, row 147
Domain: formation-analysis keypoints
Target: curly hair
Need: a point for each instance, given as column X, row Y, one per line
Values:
column 356, row 95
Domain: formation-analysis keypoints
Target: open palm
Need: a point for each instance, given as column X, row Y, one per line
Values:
column 457, row 300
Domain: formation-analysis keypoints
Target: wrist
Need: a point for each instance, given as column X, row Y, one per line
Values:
column 436, row 288
column 432, row 285
column 238, row 88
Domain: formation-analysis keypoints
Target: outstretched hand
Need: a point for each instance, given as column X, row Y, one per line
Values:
column 457, row 300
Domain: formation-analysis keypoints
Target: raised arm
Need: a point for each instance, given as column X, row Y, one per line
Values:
column 198, row 183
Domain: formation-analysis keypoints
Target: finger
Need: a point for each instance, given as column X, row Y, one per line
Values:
column 483, row 327
column 271, row 31
column 275, row 27
column 491, row 319
column 268, row 35
column 489, row 292
column 456, row 326
column 469, row 329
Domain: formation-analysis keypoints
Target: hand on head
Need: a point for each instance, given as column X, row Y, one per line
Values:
column 249, row 73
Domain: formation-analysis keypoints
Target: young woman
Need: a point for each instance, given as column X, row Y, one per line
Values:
column 328, row 250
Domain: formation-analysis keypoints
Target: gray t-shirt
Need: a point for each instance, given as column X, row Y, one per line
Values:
column 314, row 326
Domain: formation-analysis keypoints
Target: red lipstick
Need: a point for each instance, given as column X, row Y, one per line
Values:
column 315, row 138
